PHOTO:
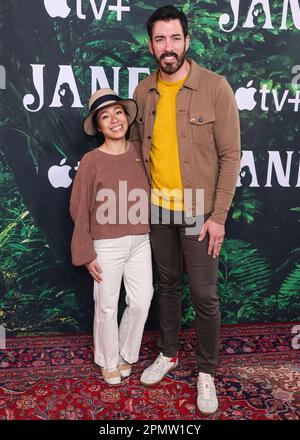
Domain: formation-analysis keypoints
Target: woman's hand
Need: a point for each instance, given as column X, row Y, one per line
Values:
column 95, row 270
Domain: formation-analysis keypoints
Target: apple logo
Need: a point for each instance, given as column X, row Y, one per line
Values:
column 57, row 8
column 59, row 175
column 245, row 97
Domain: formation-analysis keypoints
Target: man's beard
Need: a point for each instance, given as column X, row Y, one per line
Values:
column 173, row 67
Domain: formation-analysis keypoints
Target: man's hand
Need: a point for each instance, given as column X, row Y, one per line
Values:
column 95, row 270
column 216, row 236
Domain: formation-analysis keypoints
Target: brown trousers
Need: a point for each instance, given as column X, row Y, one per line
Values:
column 169, row 242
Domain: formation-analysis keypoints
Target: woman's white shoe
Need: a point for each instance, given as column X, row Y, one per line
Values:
column 111, row 376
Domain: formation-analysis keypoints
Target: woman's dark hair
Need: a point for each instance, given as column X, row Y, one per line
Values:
column 99, row 136
column 167, row 13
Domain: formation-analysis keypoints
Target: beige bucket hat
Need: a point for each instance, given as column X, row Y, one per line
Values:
column 103, row 98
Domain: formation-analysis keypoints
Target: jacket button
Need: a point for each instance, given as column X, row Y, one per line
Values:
column 153, row 112
column 200, row 119
column 141, row 119
column 149, row 137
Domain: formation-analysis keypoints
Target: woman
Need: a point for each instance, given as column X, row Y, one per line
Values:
column 111, row 233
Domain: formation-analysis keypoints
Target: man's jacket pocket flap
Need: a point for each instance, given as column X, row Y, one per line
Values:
column 202, row 117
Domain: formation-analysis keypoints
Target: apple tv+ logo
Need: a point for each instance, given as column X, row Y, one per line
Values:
column 271, row 98
column 61, row 9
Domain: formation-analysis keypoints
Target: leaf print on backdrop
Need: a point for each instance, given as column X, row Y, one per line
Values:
column 36, row 275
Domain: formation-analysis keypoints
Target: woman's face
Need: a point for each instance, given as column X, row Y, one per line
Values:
column 112, row 122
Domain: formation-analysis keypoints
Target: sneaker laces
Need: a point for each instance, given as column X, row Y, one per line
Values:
column 110, row 373
column 206, row 386
column 158, row 363
column 110, row 370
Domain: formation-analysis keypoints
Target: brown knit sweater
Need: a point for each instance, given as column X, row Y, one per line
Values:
column 99, row 204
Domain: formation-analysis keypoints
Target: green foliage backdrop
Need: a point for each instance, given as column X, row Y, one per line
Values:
column 40, row 291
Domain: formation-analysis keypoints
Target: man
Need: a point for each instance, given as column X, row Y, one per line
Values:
column 189, row 128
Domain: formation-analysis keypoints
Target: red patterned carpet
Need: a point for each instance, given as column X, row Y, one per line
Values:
column 54, row 377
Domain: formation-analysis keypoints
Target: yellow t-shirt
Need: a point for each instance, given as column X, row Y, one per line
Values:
column 164, row 156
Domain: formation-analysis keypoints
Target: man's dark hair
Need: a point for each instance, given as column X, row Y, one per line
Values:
column 167, row 13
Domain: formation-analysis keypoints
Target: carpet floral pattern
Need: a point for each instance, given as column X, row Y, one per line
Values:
column 54, row 377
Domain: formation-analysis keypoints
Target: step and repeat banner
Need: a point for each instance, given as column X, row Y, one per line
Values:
column 54, row 55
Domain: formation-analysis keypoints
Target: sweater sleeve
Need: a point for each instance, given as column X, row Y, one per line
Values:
column 82, row 246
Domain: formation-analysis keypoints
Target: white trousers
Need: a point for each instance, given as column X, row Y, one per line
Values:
column 128, row 257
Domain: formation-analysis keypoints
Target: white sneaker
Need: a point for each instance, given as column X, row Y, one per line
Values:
column 160, row 367
column 207, row 400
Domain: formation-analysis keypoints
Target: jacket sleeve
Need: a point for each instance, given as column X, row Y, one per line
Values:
column 134, row 129
column 82, row 246
column 227, row 137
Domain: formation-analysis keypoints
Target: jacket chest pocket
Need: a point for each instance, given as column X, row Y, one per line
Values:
column 201, row 124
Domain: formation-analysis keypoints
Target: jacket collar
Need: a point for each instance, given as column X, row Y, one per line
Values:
column 191, row 81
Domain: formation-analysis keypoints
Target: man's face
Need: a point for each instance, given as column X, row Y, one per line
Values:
column 168, row 45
